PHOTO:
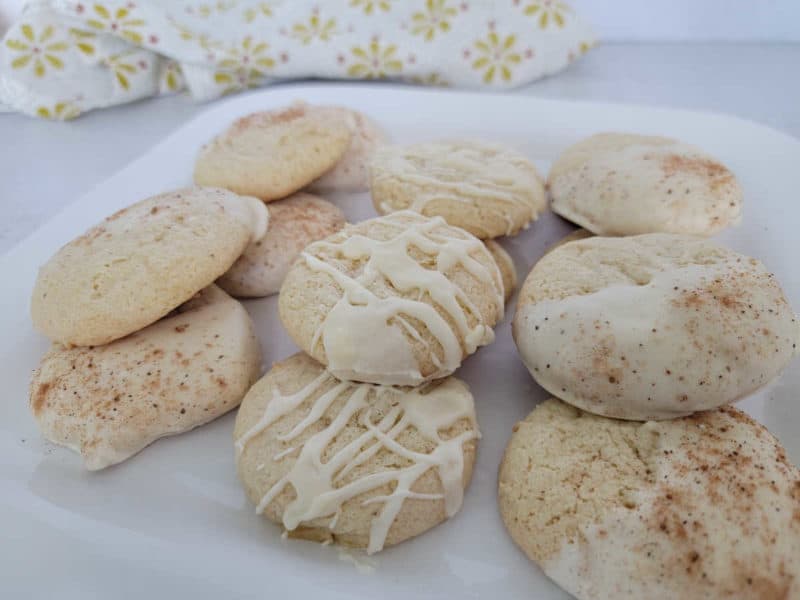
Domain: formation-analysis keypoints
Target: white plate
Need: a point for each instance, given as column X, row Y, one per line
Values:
column 173, row 521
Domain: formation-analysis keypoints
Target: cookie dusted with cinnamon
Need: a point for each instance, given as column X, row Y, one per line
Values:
column 652, row 326
column 706, row 506
column 626, row 184
column 272, row 154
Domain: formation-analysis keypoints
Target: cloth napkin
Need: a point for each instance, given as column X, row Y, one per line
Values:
column 65, row 57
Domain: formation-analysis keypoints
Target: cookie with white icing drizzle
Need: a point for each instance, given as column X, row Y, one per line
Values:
column 363, row 465
column 485, row 188
column 396, row 300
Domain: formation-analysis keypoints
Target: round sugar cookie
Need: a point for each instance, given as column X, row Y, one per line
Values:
column 294, row 223
column 134, row 267
column 704, row 506
column 508, row 272
column 350, row 174
column 274, row 153
column 485, row 188
column 108, row 402
column 653, row 326
column 397, row 300
column 363, row 465
column 625, row 184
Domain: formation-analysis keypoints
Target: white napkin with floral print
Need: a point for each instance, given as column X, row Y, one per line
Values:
column 65, row 57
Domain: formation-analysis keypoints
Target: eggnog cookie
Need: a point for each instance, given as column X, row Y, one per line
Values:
column 624, row 184
column 362, row 465
column 508, row 272
column 350, row 173
column 704, row 506
column 293, row 224
column 140, row 263
column 487, row 189
column 400, row 299
column 654, row 326
column 108, row 402
column 274, row 153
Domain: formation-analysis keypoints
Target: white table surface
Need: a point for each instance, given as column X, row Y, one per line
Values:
column 44, row 165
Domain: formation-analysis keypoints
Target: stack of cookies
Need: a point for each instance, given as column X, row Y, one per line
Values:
column 640, row 480
column 365, row 438
column 144, row 344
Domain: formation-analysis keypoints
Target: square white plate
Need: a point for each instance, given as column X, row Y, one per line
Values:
column 173, row 521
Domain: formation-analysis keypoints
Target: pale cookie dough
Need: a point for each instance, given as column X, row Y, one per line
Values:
column 654, row 326
column 485, row 188
column 293, row 224
column 359, row 464
column 398, row 300
column 274, row 153
column 701, row 507
column 508, row 272
column 108, row 402
column 350, row 174
column 625, row 184
column 140, row 263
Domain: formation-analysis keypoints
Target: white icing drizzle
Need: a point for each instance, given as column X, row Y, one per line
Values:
column 438, row 173
column 361, row 563
column 283, row 453
column 318, row 485
column 365, row 336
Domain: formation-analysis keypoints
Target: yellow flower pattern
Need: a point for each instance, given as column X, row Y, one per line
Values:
column 264, row 9
column 316, row 28
column 496, row 56
column 244, row 66
column 375, row 61
column 221, row 6
column 61, row 111
column 433, row 79
column 108, row 51
column 39, row 52
column 118, row 22
column 82, row 40
column 122, row 69
column 369, row 6
column 436, row 17
column 548, row 11
column 171, row 79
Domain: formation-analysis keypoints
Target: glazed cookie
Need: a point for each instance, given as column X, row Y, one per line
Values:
column 654, row 326
column 704, row 506
column 624, row 184
column 108, row 402
column 398, row 300
column 487, row 189
column 293, row 224
column 363, row 465
column 350, row 173
column 508, row 272
column 141, row 262
column 274, row 153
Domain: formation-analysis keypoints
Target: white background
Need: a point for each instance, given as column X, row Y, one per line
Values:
column 659, row 20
